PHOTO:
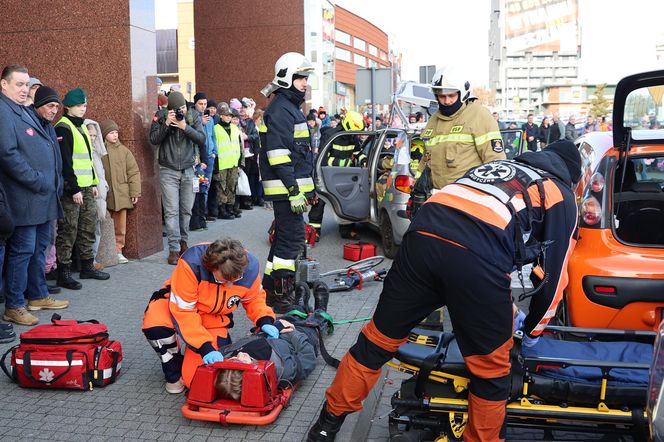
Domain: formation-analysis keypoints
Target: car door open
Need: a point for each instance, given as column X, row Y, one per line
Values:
column 346, row 188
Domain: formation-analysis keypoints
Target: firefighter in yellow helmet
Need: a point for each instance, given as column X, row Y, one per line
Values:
column 346, row 151
column 462, row 134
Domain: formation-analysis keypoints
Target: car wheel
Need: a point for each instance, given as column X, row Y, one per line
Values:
column 387, row 235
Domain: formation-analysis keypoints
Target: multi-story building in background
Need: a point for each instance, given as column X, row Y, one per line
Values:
column 236, row 45
column 533, row 45
column 358, row 44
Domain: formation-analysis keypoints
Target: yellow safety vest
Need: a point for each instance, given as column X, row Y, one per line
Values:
column 228, row 148
column 81, row 156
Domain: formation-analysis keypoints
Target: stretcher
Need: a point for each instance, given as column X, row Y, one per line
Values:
column 574, row 380
column 261, row 402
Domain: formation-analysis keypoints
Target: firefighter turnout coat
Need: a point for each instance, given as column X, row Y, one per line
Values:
column 286, row 158
column 464, row 140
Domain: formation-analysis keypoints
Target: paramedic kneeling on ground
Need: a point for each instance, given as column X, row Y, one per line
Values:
column 468, row 226
column 208, row 284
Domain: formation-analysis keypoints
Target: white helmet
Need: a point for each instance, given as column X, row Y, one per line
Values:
column 289, row 64
column 447, row 80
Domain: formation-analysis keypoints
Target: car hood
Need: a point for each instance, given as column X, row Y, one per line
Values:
column 548, row 161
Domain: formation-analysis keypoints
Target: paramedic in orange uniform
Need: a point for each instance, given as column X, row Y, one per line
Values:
column 208, row 284
column 459, row 251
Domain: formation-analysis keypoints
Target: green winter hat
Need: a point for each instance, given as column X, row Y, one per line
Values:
column 175, row 100
column 74, row 97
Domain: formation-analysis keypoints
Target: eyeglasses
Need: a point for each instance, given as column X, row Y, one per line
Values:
column 225, row 281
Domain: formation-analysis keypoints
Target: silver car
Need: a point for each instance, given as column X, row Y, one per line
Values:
column 376, row 194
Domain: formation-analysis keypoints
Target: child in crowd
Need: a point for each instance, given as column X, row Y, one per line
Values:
column 124, row 179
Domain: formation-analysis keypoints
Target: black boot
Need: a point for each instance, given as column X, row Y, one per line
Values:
column 52, row 289
column 321, row 296
column 246, row 203
column 235, row 209
column 326, row 427
column 88, row 271
column 64, row 278
column 52, row 275
column 223, row 213
column 283, row 295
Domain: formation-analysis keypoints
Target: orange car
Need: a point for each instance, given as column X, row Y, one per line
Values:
column 616, row 272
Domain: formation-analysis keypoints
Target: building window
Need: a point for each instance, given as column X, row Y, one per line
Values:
column 342, row 54
column 342, row 37
column 360, row 60
column 383, row 55
column 373, row 50
column 360, row 44
column 373, row 64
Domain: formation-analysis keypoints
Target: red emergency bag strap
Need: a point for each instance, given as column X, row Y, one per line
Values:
column 2, row 363
column 57, row 320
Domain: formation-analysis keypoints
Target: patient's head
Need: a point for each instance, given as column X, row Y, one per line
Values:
column 228, row 384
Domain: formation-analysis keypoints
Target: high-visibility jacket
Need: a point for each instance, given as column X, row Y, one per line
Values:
column 228, row 147
column 346, row 152
column 478, row 221
column 202, row 309
column 464, row 140
column 286, row 158
column 82, row 155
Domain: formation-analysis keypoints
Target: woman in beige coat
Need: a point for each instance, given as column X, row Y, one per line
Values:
column 124, row 181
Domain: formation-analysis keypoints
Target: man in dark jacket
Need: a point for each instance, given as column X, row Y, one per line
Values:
column 29, row 172
column 286, row 163
column 570, row 129
column 532, row 133
column 475, row 223
column 176, row 132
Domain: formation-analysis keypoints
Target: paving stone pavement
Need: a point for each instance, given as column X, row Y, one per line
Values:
column 137, row 407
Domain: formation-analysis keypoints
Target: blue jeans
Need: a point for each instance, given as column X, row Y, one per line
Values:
column 24, row 264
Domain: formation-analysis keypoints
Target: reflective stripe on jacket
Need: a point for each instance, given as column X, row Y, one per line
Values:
column 464, row 140
column 201, row 307
column 228, row 147
column 81, row 157
column 286, row 159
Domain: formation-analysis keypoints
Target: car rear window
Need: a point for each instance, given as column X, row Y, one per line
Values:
column 639, row 201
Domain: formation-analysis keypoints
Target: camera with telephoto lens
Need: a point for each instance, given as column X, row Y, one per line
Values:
column 179, row 115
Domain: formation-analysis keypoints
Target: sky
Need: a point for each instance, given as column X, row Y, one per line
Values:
column 440, row 32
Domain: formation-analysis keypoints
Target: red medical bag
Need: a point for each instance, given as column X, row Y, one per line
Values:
column 261, row 402
column 359, row 250
column 67, row 354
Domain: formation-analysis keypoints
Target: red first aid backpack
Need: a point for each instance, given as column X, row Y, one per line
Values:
column 67, row 354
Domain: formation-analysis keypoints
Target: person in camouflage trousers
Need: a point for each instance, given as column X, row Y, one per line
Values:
column 80, row 190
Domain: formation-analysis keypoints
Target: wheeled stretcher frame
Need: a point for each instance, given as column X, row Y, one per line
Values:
column 432, row 404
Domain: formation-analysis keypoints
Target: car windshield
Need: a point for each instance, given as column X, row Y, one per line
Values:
column 512, row 140
column 639, row 208
column 644, row 113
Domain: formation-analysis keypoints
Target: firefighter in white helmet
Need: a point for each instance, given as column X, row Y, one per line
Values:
column 462, row 134
column 286, row 165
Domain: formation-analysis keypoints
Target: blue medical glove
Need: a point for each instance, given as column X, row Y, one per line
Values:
column 212, row 357
column 271, row 331
column 529, row 342
column 519, row 319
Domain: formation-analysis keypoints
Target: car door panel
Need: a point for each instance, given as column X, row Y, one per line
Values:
column 349, row 189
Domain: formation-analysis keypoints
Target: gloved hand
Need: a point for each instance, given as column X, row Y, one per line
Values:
column 270, row 330
column 298, row 203
column 529, row 342
column 212, row 357
column 519, row 318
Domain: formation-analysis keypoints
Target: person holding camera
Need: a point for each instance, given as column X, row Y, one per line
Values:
column 176, row 132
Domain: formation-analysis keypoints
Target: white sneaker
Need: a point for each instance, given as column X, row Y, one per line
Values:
column 122, row 259
column 175, row 387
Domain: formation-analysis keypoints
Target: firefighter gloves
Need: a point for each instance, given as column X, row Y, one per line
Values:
column 298, row 203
